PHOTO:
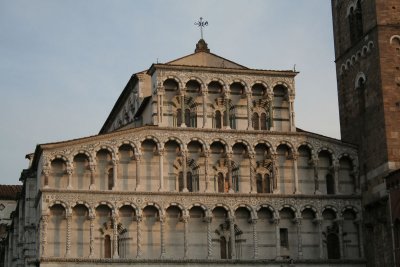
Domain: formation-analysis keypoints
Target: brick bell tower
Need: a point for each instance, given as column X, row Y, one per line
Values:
column 367, row 50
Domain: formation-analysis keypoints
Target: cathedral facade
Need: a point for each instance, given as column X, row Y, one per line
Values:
column 199, row 163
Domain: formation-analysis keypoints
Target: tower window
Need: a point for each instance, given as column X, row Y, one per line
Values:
column 356, row 23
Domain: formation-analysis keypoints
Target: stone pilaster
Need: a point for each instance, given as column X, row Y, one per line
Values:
column 185, row 220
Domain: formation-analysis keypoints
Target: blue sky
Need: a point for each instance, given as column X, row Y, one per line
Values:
column 63, row 64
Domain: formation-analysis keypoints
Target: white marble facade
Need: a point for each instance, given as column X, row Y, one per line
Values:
column 199, row 163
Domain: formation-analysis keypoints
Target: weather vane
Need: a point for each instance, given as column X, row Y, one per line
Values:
column 201, row 24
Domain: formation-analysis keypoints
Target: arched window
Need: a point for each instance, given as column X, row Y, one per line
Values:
column 218, row 123
column 356, row 23
column 330, row 184
column 187, row 118
column 110, row 179
column 333, row 247
column 221, row 183
column 180, row 181
column 223, row 248
column 263, row 121
column 107, row 247
column 189, row 179
column 178, row 117
column 256, row 125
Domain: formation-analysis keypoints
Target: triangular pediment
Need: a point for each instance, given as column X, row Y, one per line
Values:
column 205, row 59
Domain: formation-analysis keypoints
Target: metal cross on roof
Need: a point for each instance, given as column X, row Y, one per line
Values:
column 201, row 24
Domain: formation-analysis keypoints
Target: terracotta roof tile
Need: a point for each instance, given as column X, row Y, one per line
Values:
column 10, row 191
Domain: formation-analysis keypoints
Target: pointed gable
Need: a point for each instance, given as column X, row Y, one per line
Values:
column 203, row 58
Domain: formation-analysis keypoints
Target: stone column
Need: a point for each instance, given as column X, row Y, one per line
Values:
column 204, row 95
column 115, row 236
column 91, row 235
column 249, row 122
column 271, row 111
column 341, row 243
column 45, row 221
column 185, row 220
column 291, row 113
column 228, row 125
column 231, row 221
column 92, row 168
column 255, row 240
column 162, row 236
column 299, row 239
column 314, row 163
column 138, row 185
column 335, row 168
column 276, row 174
column 46, row 174
column 229, row 162
column 278, row 239
column 184, row 171
column 207, row 178
column 68, row 217
column 253, row 188
column 319, row 221
column 296, row 176
column 183, row 110
column 115, row 174
column 208, row 219
column 360, row 238
column 161, row 169
column 139, row 236
column 69, row 173
column 161, row 107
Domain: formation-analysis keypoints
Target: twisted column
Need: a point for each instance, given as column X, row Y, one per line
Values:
column 162, row 236
column 231, row 221
column 139, row 236
column 68, row 238
column 45, row 221
column 253, row 188
column 69, row 173
column 92, row 168
column 91, row 235
column 255, row 240
column 161, row 154
column 138, row 185
column 249, row 122
column 209, row 237
column 185, row 220
column 115, row 236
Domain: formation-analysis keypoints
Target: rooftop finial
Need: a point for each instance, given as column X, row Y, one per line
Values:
column 201, row 24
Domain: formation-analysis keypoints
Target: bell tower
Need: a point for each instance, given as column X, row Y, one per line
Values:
column 367, row 51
